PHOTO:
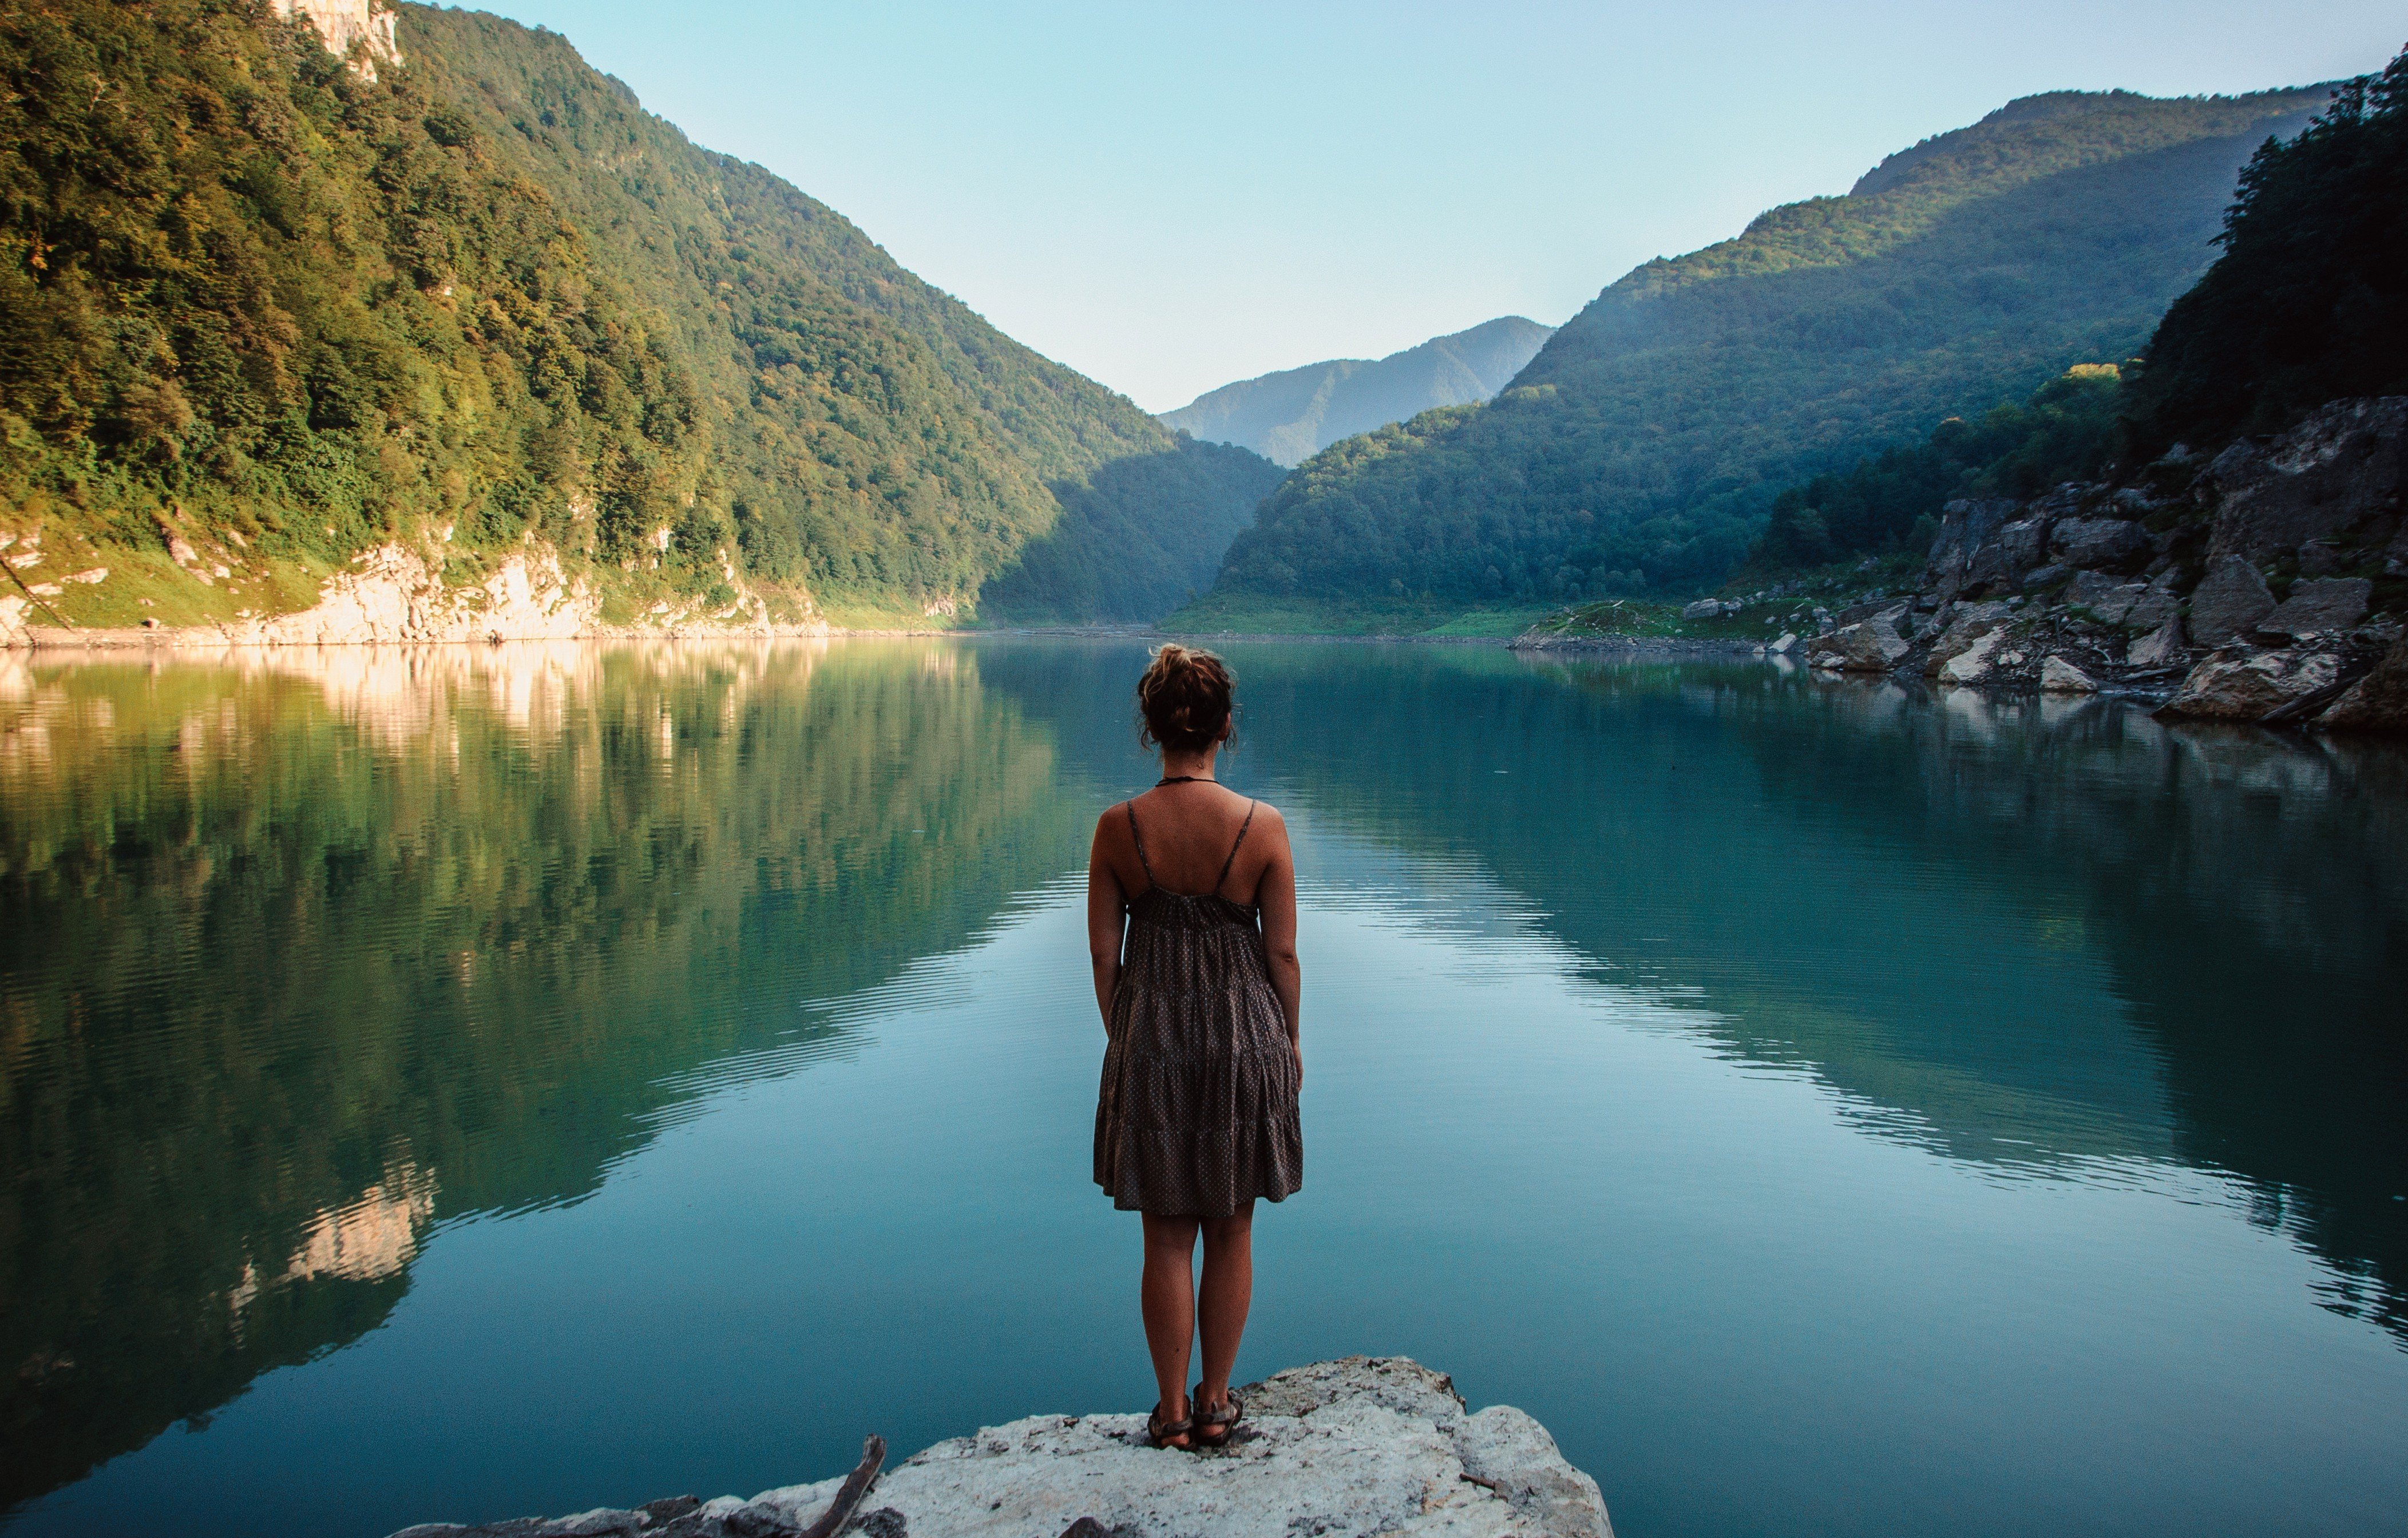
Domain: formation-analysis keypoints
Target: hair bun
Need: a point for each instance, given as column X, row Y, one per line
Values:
column 1184, row 699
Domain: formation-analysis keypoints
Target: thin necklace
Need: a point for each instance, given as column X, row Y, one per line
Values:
column 1187, row 780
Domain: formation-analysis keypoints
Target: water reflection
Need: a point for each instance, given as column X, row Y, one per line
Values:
column 2047, row 935
column 302, row 954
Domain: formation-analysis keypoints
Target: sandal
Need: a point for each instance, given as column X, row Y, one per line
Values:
column 1159, row 1431
column 1225, row 1420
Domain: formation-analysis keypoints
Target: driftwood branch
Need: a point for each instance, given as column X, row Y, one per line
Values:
column 856, row 1485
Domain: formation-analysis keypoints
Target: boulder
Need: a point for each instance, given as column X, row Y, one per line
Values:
column 2377, row 702
column 2327, row 479
column 1975, row 663
column 1895, row 613
column 1867, row 646
column 2061, row 677
column 1704, row 609
column 2045, row 576
column 1785, row 645
column 1967, row 623
column 1999, row 565
column 1340, row 1449
column 2100, row 544
column 2106, row 599
column 2228, row 602
column 1964, row 526
column 2325, row 605
column 2240, row 685
column 2152, row 610
column 2159, row 647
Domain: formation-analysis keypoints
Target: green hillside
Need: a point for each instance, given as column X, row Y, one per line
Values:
column 1290, row 415
column 1641, row 446
column 256, row 301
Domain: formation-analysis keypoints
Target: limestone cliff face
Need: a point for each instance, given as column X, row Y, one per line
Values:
column 343, row 22
column 396, row 592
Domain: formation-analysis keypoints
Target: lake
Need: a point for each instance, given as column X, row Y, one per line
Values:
column 455, row 1084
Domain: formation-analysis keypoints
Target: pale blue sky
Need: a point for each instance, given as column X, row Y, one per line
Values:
column 1170, row 198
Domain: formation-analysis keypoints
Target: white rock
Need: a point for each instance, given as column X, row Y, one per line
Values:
column 1341, row 1449
column 2061, row 677
column 1971, row 665
column 2241, row 685
column 2159, row 647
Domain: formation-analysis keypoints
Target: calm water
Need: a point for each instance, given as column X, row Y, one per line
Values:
column 458, row 1083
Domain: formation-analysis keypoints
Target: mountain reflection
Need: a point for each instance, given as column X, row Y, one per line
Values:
column 2050, row 937
column 302, row 954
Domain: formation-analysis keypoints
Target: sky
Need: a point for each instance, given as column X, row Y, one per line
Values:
column 1169, row 197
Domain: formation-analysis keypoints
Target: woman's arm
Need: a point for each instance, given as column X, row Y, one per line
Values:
column 1276, row 896
column 1106, row 914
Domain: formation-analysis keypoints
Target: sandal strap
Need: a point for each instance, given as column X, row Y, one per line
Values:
column 1157, row 1429
column 1236, row 1413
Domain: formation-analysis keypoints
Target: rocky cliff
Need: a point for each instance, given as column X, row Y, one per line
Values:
column 2268, row 582
column 1357, row 1446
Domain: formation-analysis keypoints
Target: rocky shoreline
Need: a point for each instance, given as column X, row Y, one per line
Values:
column 2267, row 584
column 1349, row 1448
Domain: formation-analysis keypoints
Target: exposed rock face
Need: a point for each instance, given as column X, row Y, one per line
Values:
column 2133, row 605
column 2003, row 559
column 2100, row 544
column 343, row 22
column 2324, row 607
column 1966, row 627
column 2336, row 479
column 1964, row 527
column 1868, row 646
column 2377, row 702
column 2239, row 685
column 2061, row 677
column 1357, row 1446
column 2228, row 602
column 395, row 593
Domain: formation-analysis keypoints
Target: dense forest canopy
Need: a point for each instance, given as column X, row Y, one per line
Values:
column 485, row 294
column 1642, row 447
column 2309, row 301
column 1891, row 501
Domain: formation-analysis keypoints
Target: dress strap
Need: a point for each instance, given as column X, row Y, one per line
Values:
column 1145, row 864
column 1232, row 861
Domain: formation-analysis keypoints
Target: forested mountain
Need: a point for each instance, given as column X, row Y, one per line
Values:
column 1290, row 415
column 1643, row 445
column 478, row 297
column 2309, row 302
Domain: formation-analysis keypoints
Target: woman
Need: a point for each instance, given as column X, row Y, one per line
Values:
column 1197, row 1116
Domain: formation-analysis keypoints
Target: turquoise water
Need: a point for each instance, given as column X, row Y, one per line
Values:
column 465, row 1083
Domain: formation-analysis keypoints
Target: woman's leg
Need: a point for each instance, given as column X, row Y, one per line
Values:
column 1229, row 1290
column 1167, row 1296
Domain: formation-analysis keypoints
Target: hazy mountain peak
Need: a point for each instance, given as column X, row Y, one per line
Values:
column 1290, row 415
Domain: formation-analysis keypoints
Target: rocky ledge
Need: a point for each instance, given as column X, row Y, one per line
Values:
column 1360, row 1445
column 2268, row 583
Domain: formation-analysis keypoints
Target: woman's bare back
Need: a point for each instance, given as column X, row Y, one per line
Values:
column 1189, row 831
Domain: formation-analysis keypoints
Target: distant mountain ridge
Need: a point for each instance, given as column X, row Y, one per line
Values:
column 1289, row 416
column 1641, row 446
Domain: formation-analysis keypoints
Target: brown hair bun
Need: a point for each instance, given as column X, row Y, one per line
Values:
column 1183, row 699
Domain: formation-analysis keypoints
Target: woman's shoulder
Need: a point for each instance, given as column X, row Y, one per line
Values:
column 1265, row 815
